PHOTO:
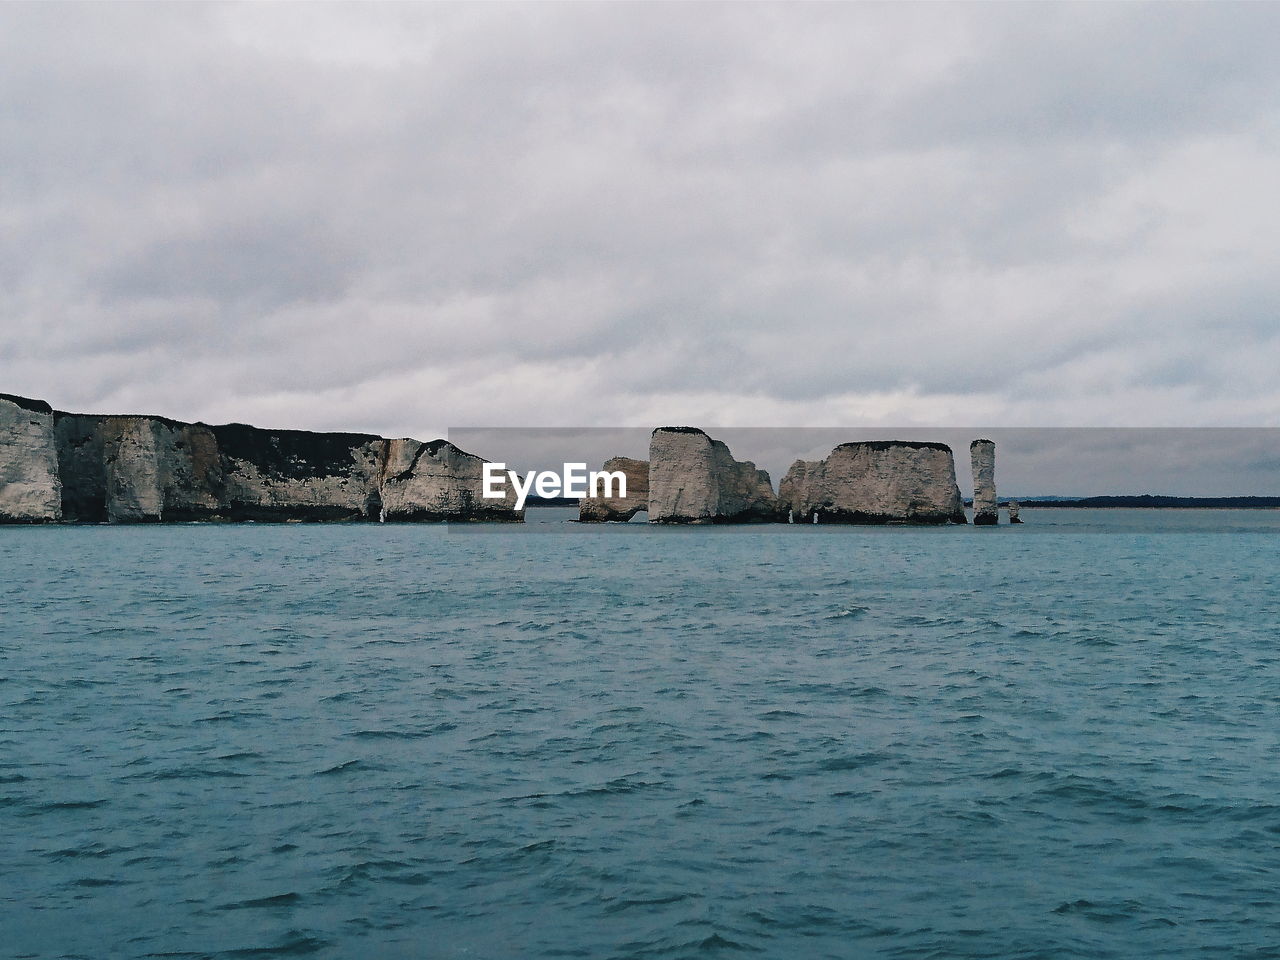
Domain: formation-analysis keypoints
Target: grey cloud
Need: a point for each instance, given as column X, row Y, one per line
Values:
column 395, row 217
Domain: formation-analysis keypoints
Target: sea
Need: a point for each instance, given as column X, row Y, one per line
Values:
column 1053, row 740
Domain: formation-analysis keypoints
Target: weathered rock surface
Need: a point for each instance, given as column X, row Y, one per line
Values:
column 82, row 466
column 30, row 487
column 694, row 479
column 1015, row 508
column 982, row 458
column 621, row 509
column 299, row 475
column 437, row 481
column 873, row 482
column 131, row 456
column 89, row 468
column 155, row 470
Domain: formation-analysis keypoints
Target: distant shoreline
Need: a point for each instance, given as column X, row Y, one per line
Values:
column 1142, row 502
column 1152, row 502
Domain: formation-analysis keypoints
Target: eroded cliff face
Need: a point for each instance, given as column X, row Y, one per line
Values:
column 137, row 469
column 158, row 470
column 299, row 475
column 93, row 469
column 437, row 481
column 695, row 479
column 982, row 458
column 619, row 509
column 82, row 466
column 873, row 482
column 30, row 486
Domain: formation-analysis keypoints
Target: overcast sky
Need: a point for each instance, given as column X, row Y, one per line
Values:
column 404, row 218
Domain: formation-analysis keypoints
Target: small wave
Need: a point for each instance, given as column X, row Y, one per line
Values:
column 415, row 734
column 92, row 851
column 258, row 903
column 854, row 762
column 366, row 871
column 616, row 786
column 1004, row 773
column 868, row 692
column 349, row 766
column 59, row 806
column 847, row 612
column 342, row 697
column 621, row 906
column 1096, row 793
column 918, row 620
column 187, row 773
column 718, row 944
column 295, row 944
column 1096, row 642
column 1100, row 912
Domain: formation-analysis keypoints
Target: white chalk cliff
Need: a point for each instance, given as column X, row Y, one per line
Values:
column 694, row 479
column 136, row 469
column 881, row 481
column 437, row 481
column 89, row 468
column 30, row 487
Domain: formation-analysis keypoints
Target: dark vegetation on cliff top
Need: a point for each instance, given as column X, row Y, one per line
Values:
column 295, row 454
column 890, row 444
column 26, row 403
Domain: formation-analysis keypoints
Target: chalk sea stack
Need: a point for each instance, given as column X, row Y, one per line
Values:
column 874, row 482
column 437, row 481
column 1015, row 508
column 986, row 508
column 620, row 509
column 139, row 469
column 694, row 479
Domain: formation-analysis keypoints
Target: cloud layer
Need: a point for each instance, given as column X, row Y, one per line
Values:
column 405, row 218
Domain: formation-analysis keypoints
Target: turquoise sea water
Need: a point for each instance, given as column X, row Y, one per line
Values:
column 1059, row 740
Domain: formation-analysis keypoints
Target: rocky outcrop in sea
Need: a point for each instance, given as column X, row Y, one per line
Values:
column 872, row 482
column 437, row 481
column 619, row 509
column 91, row 468
column 139, row 469
column 695, row 479
column 982, row 458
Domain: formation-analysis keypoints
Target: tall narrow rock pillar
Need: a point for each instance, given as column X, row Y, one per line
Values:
column 982, row 457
